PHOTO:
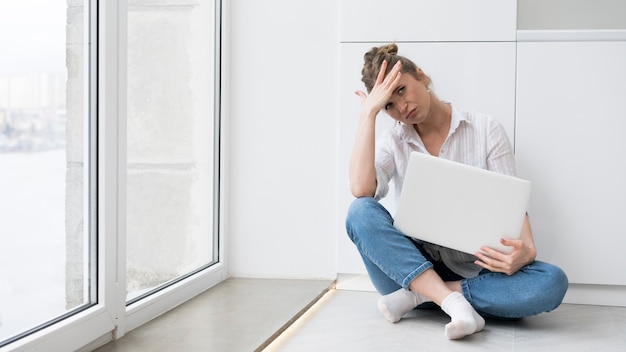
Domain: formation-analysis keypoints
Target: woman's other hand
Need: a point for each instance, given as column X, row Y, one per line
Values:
column 508, row 263
column 524, row 252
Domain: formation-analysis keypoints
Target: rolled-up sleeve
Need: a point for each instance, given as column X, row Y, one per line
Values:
column 385, row 165
column 382, row 184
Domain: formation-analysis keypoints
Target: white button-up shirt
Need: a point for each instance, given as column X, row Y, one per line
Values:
column 474, row 139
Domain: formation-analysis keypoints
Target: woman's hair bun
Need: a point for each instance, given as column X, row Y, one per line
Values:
column 389, row 49
column 376, row 55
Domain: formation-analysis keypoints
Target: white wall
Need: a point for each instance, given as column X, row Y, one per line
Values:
column 283, row 102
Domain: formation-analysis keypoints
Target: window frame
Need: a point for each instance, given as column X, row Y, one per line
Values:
column 109, row 317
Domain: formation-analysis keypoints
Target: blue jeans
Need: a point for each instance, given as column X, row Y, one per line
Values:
column 393, row 260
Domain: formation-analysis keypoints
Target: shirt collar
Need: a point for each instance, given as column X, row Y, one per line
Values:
column 457, row 117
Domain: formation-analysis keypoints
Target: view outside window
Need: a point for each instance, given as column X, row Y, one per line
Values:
column 43, row 230
column 170, row 141
column 47, row 173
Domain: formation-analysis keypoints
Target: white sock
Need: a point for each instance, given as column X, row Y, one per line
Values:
column 465, row 320
column 396, row 304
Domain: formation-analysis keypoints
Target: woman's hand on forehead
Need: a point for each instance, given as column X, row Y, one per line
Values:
column 383, row 88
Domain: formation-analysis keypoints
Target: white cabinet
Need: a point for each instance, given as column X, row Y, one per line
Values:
column 570, row 142
column 427, row 20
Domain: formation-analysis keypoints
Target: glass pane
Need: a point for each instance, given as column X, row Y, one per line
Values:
column 170, row 151
column 44, row 233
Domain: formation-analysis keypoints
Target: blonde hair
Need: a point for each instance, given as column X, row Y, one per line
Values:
column 375, row 57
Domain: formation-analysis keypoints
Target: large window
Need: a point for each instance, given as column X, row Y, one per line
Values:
column 109, row 165
column 45, row 166
column 170, row 144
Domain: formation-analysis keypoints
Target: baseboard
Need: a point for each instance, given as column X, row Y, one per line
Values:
column 354, row 282
column 597, row 295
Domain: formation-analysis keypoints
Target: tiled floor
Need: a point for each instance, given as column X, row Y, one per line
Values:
column 242, row 314
column 350, row 321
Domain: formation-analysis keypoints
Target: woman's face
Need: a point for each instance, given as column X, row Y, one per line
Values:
column 410, row 101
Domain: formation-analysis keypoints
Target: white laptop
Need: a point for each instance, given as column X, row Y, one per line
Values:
column 459, row 206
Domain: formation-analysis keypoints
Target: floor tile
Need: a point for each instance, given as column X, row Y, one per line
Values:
column 350, row 321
